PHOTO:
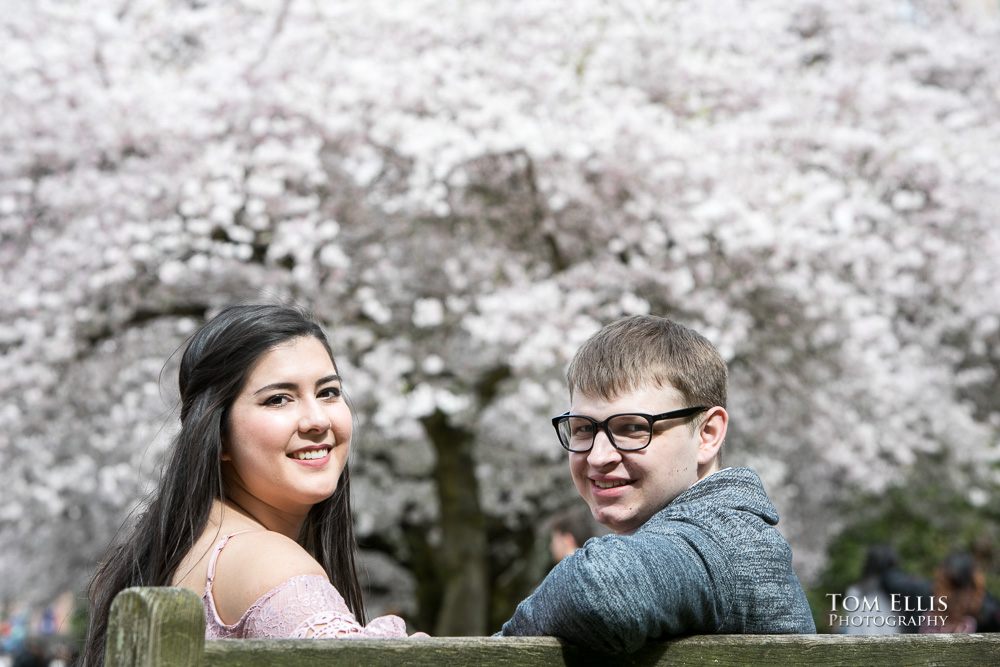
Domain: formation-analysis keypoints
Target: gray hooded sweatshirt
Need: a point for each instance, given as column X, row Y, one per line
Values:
column 709, row 562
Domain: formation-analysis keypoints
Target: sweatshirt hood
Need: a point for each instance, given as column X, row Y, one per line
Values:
column 737, row 489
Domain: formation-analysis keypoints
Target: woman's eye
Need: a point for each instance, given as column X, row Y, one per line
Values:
column 276, row 400
column 330, row 392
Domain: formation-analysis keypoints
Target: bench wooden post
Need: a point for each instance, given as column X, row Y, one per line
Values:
column 156, row 626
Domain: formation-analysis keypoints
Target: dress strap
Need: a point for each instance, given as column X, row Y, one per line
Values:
column 215, row 557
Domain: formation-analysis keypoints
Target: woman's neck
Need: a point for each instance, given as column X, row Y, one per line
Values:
column 249, row 513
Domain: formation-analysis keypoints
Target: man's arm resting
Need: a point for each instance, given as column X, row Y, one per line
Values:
column 613, row 596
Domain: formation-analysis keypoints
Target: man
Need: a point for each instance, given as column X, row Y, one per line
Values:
column 693, row 548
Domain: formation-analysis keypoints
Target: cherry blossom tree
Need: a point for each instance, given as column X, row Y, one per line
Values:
column 463, row 192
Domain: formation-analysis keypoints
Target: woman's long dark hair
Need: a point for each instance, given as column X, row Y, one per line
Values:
column 216, row 365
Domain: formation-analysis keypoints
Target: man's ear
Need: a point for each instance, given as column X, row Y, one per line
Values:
column 711, row 434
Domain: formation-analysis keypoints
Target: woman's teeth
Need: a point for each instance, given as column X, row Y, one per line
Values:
column 310, row 454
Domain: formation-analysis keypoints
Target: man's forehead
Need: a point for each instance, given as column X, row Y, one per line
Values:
column 649, row 397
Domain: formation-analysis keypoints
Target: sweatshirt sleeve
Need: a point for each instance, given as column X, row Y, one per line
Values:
column 618, row 592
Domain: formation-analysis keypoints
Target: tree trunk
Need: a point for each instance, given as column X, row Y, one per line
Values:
column 463, row 557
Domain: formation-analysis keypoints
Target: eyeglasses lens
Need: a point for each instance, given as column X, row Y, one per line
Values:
column 630, row 431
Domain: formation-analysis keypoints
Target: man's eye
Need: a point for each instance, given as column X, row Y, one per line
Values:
column 581, row 430
column 630, row 426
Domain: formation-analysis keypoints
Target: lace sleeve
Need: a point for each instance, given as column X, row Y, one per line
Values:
column 309, row 606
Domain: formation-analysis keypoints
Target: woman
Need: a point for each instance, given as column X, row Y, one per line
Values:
column 253, row 509
column 959, row 582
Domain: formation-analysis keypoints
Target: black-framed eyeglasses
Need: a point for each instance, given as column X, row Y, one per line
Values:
column 628, row 432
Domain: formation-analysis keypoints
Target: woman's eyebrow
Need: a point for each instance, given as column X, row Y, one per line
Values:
column 291, row 386
column 328, row 378
column 277, row 385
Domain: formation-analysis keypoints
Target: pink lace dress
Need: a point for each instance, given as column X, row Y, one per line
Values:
column 304, row 606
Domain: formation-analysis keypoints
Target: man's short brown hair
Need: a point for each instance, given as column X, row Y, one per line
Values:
column 645, row 350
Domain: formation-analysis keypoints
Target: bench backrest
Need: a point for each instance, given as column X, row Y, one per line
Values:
column 161, row 627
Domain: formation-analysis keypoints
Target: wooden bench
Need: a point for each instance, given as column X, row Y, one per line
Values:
column 160, row 627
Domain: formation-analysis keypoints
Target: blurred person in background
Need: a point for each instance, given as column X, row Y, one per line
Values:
column 32, row 654
column 959, row 581
column 872, row 618
column 905, row 586
column 989, row 613
column 570, row 530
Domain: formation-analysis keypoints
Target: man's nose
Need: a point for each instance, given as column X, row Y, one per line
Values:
column 603, row 452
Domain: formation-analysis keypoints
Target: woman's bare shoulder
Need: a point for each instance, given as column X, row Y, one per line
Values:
column 253, row 563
